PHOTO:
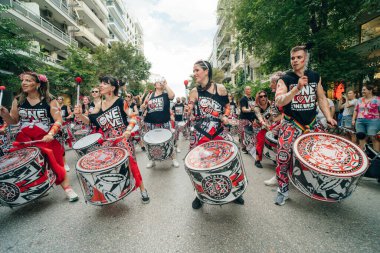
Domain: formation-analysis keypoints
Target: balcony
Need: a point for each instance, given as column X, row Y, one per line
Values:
column 225, row 37
column 117, row 29
column 225, row 64
column 87, row 38
column 60, row 12
column 40, row 27
column 225, row 52
column 116, row 11
column 99, row 7
column 47, row 59
column 91, row 20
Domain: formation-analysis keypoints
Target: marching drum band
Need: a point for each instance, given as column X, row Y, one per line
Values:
column 104, row 133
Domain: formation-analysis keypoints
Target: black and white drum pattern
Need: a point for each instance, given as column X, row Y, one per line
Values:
column 105, row 176
column 216, row 171
column 24, row 176
column 270, row 146
column 87, row 144
column 326, row 167
column 159, row 144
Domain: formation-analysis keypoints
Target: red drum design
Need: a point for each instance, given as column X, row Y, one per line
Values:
column 159, row 144
column 105, row 175
column 270, row 146
column 326, row 167
column 234, row 125
column 87, row 144
column 24, row 176
column 135, row 134
column 79, row 134
column 181, row 126
column 216, row 171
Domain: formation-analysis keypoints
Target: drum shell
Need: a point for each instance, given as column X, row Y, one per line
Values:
column 27, row 182
column 79, row 134
column 85, row 150
column 270, row 147
column 107, row 186
column 160, row 151
column 231, row 174
column 320, row 186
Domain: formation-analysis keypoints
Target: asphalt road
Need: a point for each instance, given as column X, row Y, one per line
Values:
column 169, row 224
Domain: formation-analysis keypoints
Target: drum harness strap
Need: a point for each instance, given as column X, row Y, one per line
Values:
column 203, row 132
column 304, row 128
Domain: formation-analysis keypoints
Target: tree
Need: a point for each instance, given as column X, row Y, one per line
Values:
column 124, row 62
column 271, row 28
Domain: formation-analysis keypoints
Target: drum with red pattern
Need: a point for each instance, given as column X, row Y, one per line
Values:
column 233, row 126
column 135, row 134
column 105, row 175
column 326, row 167
column 24, row 176
column 216, row 171
column 159, row 143
column 270, row 146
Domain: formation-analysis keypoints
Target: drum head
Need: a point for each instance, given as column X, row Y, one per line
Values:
column 81, row 132
column 269, row 136
column 211, row 155
column 16, row 159
column 102, row 159
column 181, row 123
column 330, row 155
column 157, row 136
column 87, row 141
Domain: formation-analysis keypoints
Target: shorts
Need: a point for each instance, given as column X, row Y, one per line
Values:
column 347, row 121
column 368, row 126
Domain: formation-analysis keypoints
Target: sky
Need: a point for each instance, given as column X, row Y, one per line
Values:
column 177, row 33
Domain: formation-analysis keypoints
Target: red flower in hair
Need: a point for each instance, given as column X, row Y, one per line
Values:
column 78, row 79
column 43, row 78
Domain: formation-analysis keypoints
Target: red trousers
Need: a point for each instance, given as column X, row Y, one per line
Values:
column 260, row 140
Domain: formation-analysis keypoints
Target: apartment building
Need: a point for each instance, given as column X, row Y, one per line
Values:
column 59, row 24
column 227, row 54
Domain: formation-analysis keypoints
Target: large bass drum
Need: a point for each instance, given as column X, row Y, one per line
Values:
column 216, row 171
column 105, row 175
column 24, row 176
column 270, row 146
column 159, row 144
column 87, row 144
column 326, row 167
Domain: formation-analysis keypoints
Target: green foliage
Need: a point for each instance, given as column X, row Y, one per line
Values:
column 271, row 28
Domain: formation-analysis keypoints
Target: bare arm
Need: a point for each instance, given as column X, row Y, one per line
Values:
column 193, row 97
column 322, row 102
column 171, row 94
column 283, row 97
column 11, row 117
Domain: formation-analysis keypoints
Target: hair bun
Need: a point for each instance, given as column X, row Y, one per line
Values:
column 309, row 45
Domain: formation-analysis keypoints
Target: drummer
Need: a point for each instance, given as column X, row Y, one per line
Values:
column 157, row 105
column 297, row 92
column 66, row 115
column 261, row 124
column 133, row 110
column 233, row 106
column 213, row 109
column 112, row 118
column 247, row 115
column 40, row 119
column 178, row 111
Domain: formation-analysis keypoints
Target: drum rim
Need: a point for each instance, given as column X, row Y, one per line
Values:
column 100, row 136
column 214, row 167
column 82, row 170
column 155, row 130
column 83, row 131
column 269, row 135
column 356, row 173
column 28, row 161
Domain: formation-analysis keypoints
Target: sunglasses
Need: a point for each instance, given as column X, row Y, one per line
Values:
column 95, row 91
column 128, row 96
column 262, row 96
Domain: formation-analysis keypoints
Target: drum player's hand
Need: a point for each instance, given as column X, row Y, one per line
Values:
column 332, row 122
column 302, row 82
column 77, row 110
column 225, row 120
column 127, row 134
column 3, row 111
column 48, row 138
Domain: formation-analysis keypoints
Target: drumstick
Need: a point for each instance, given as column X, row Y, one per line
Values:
column 16, row 143
column 2, row 88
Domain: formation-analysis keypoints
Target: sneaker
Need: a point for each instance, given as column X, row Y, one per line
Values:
column 71, row 195
column 143, row 149
column 239, row 200
column 281, row 198
column 151, row 164
column 258, row 164
column 244, row 150
column 196, row 203
column 271, row 182
column 145, row 197
column 178, row 150
column 67, row 168
column 175, row 163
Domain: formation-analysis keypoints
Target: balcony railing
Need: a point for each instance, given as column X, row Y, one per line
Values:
column 43, row 23
column 63, row 7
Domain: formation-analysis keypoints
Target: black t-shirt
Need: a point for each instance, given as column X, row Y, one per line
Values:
column 64, row 112
column 303, row 106
column 248, row 103
column 179, row 110
column 233, row 107
column 38, row 114
column 158, row 109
